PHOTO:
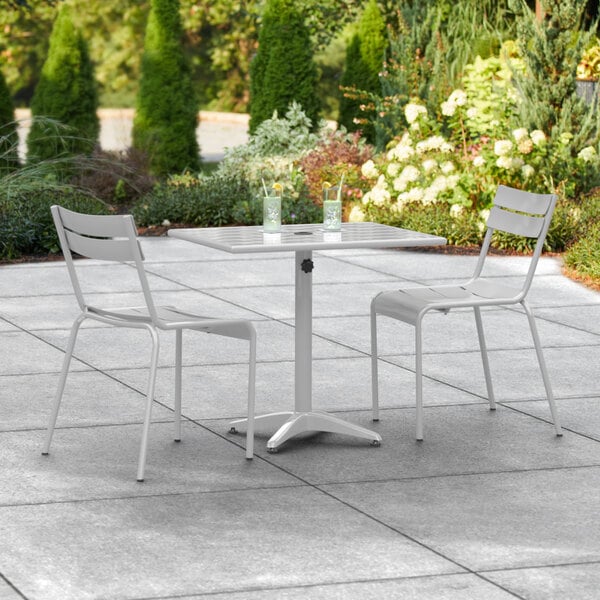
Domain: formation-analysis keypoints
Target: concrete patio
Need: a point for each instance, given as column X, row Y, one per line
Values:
column 491, row 505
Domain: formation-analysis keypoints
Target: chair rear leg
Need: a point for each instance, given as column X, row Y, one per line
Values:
column 484, row 358
column 251, row 396
column 374, row 366
column 149, row 401
column 61, row 383
column 543, row 369
column 178, row 361
column 419, row 378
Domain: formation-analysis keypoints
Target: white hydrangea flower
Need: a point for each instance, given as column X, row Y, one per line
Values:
column 520, row 134
column 502, row 147
column 538, row 137
column 429, row 165
column 412, row 112
column 439, row 184
column 380, row 194
column 456, row 210
column 410, row 173
column 448, row 109
column 504, row 162
column 430, row 195
column 478, row 161
column 447, row 167
column 399, row 184
column 415, row 194
column 369, row 170
column 527, row 171
column 472, row 112
column 587, row 154
column 452, row 181
column 484, row 214
column 525, row 146
column 458, row 97
column 517, row 162
column 393, row 169
column 356, row 214
column 446, row 148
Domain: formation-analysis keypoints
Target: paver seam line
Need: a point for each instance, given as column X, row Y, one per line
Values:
column 12, row 586
column 579, row 563
column 300, row 586
column 411, row 478
column 155, row 495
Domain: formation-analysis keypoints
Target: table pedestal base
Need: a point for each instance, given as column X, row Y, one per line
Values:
column 292, row 424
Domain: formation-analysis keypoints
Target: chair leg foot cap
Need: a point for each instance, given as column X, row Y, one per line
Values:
column 140, row 480
column 177, row 440
column 45, row 453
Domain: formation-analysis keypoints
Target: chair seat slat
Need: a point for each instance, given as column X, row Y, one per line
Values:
column 515, row 223
column 527, row 202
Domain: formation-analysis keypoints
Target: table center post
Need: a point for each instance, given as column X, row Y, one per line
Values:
column 303, row 331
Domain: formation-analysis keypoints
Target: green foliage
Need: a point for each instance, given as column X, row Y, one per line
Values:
column 199, row 201
column 9, row 157
column 293, row 210
column 26, row 225
column 548, row 94
column 65, row 92
column 337, row 154
column 584, row 255
column 364, row 62
column 283, row 69
column 167, row 112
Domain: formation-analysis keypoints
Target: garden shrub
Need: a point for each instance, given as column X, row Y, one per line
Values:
column 26, row 225
column 166, row 106
column 364, row 62
column 199, row 201
column 584, row 256
column 66, row 93
column 337, row 154
column 283, row 69
column 9, row 141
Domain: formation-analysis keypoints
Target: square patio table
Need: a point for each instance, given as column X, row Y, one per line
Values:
column 303, row 240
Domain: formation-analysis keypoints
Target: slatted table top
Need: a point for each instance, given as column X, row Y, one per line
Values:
column 306, row 237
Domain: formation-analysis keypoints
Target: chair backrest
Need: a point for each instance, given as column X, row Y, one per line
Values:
column 101, row 237
column 520, row 213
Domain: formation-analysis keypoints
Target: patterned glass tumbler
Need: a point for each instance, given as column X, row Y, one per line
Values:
column 332, row 210
column 271, row 214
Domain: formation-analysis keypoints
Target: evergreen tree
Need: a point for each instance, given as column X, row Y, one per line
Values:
column 9, row 140
column 166, row 109
column 551, row 49
column 283, row 69
column 66, row 93
column 364, row 62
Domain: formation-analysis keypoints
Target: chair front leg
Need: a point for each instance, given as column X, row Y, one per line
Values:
column 149, row 401
column 251, row 395
column 543, row 369
column 374, row 365
column 484, row 358
column 178, row 362
column 61, row 382
column 419, row 377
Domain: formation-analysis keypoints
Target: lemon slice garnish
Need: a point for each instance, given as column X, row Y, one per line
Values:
column 326, row 185
column 277, row 186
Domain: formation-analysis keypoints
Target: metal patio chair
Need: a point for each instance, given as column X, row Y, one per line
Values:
column 114, row 238
column 514, row 211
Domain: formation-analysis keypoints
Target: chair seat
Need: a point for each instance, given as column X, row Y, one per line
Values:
column 407, row 304
column 170, row 317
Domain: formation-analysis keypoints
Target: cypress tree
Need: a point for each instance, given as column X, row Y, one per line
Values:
column 166, row 107
column 283, row 69
column 9, row 140
column 66, row 92
column 551, row 49
column 364, row 62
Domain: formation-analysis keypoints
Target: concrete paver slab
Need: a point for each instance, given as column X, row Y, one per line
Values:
column 458, row 439
column 552, row 583
column 495, row 520
column 101, row 462
column 192, row 543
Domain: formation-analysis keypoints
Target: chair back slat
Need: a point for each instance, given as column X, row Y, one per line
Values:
column 514, row 222
column 101, row 237
column 527, row 202
column 107, row 226
column 101, row 249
